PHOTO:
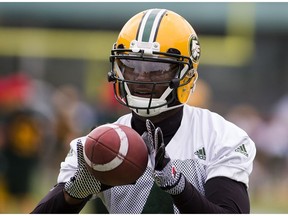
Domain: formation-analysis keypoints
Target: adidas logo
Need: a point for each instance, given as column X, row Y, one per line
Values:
column 201, row 153
column 241, row 149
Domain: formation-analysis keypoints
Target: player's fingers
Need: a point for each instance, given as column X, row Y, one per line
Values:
column 160, row 150
column 158, row 138
column 148, row 142
column 150, row 124
column 80, row 152
column 150, row 129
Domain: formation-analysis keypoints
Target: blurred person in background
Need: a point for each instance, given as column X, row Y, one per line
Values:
column 272, row 136
column 73, row 117
column 36, row 122
column 21, row 150
column 199, row 162
column 23, row 132
column 272, row 142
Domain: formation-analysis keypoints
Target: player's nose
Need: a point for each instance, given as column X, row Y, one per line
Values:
column 143, row 76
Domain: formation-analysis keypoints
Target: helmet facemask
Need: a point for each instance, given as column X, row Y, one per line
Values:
column 165, row 71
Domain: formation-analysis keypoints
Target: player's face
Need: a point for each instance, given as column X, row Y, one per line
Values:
column 149, row 77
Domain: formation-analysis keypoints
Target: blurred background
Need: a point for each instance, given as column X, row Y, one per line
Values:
column 54, row 59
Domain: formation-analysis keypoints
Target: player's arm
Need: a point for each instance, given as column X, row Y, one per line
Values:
column 223, row 195
column 59, row 201
column 71, row 196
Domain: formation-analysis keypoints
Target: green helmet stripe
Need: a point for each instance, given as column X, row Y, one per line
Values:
column 149, row 25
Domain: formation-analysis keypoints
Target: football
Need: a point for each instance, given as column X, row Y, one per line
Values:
column 115, row 154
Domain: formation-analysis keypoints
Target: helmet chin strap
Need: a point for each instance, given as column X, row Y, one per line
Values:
column 144, row 102
column 149, row 112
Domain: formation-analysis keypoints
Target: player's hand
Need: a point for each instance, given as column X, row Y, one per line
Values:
column 164, row 172
column 83, row 183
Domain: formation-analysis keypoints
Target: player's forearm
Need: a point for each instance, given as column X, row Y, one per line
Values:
column 191, row 201
column 58, row 201
column 228, row 201
column 70, row 200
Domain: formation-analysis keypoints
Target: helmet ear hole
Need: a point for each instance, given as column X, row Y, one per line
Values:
column 120, row 46
column 173, row 51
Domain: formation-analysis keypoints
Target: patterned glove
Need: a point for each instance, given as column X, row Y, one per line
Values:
column 164, row 173
column 83, row 184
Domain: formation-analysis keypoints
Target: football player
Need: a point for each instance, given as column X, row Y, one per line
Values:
column 199, row 162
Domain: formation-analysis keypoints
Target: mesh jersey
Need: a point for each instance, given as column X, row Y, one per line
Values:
column 205, row 146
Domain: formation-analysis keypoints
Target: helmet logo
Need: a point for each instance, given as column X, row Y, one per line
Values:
column 194, row 48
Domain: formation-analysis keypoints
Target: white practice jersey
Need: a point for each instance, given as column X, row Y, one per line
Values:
column 205, row 146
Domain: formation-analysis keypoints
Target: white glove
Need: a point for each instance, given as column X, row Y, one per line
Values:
column 83, row 183
column 164, row 173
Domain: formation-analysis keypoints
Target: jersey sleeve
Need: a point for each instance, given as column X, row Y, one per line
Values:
column 231, row 153
column 69, row 166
